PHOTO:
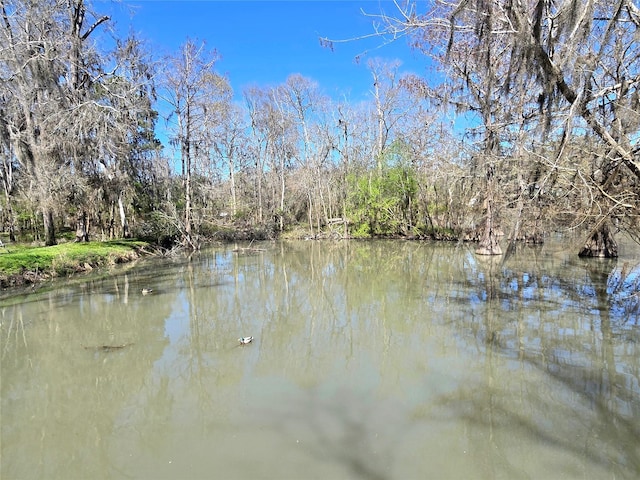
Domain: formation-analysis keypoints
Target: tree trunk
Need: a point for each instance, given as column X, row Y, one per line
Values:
column 489, row 242
column 112, row 216
column 186, row 157
column 123, row 218
column 7, row 183
column 187, row 205
column 49, row 228
column 10, row 215
column 310, row 213
column 232, row 181
column 282, row 187
column 259, row 190
column 600, row 243
column 82, row 230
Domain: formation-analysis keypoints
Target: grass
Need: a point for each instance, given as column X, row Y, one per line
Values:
column 15, row 259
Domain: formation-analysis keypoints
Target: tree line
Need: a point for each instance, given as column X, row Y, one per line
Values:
column 548, row 92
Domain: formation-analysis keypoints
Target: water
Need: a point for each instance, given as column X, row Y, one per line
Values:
column 372, row 360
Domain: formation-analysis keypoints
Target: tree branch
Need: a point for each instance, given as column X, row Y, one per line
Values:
column 94, row 26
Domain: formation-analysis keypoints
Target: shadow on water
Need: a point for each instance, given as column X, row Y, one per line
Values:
column 341, row 427
column 600, row 432
column 593, row 359
column 585, row 407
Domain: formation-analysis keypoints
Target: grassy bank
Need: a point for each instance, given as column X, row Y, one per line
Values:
column 24, row 264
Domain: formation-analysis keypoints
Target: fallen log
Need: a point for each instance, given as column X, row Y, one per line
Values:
column 106, row 348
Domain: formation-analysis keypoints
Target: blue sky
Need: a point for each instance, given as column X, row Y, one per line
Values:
column 262, row 42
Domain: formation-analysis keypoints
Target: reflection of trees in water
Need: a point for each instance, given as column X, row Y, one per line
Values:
column 623, row 287
column 573, row 410
column 68, row 400
column 550, row 315
column 557, row 285
column 566, row 320
column 582, row 338
column 595, row 440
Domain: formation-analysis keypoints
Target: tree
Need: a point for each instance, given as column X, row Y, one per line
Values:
column 275, row 141
column 196, row 95
column 126, row 142
column 73, row 116
column 479, row 95
column 44, row 81
column 308, row 108
column 388, row 102
column 230, row 144
column 583, row 60
column 7, row 175
column 258, row 142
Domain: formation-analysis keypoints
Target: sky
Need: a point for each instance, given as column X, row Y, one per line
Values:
column 262, row 42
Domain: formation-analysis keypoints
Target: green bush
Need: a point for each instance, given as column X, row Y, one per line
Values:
column 381, row 202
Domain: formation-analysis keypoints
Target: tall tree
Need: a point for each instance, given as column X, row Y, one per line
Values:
column 7, row 174
column 275, row 141
column 583, row 59
column 255, row 101
column 126, row 140
column 49, row 67
column 388, row 102
column 230, row 144
column 308, row 107
column 31, row 82
column 195, row 93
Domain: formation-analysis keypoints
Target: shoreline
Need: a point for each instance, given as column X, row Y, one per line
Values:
column 22, row 265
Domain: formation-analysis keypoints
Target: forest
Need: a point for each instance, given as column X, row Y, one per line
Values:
column 549, row 90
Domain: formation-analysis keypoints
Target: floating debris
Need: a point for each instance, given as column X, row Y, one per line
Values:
column 247, row 250
column 107, row 348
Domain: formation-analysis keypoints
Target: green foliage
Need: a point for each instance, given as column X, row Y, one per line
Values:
column 361, row 230
column 436, row 208
column 381, row 202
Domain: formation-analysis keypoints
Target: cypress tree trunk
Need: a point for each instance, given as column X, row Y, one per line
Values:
column 600, row 243
column 489, row 244
column 49, row 228
column 82, row 230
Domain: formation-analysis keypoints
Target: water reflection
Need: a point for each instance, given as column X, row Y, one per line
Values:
column 370, row 360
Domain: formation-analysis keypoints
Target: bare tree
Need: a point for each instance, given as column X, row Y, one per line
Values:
column 308, row 107
column 275, row 142
column 387, row 98
column 45, row 83
column 127, row 144
column 73, row 115
column 195, row 93
column 584, row 61
column 230, row 142
column 258, row 143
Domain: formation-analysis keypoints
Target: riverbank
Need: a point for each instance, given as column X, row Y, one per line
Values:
column 25, row 264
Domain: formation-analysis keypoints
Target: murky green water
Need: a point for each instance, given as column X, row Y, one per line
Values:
column 376, row 360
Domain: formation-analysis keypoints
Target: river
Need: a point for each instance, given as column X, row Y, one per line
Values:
column 369, row 360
